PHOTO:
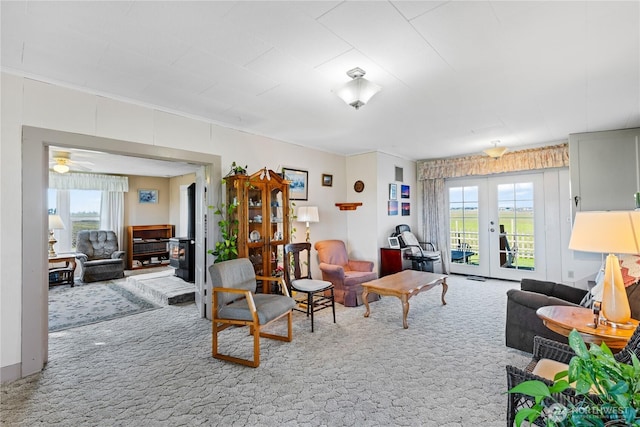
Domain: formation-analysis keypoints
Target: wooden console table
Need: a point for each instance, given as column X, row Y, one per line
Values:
column 563, row 319
column 62, row 275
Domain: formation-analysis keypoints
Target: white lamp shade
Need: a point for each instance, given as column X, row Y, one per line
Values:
column 614, row 232
column 357, row 92
column 55, row 222
column 308, row 214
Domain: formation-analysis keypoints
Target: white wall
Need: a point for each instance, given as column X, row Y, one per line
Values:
column 27, row 102
column 369, row 225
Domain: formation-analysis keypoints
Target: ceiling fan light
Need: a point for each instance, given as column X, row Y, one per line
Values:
column 358, row 91
column 495, row 152
column 60, row 168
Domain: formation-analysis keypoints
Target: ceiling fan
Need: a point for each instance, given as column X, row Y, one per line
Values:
column 61, row 162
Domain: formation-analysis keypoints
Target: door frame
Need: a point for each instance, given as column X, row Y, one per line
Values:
column 35, row 176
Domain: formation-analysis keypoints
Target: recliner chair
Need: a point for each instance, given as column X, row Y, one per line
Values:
column 98, row 255
column 424, row 256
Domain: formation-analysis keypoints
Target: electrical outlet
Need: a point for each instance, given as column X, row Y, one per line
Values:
column 570, row 274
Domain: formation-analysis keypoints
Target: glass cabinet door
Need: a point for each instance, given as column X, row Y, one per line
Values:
column 256, row 235
column 277, row 230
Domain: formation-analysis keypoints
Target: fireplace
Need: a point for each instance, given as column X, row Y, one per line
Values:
column 182, row 250
column 182, row 257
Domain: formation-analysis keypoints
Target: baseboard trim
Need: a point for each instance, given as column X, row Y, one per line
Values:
column 10, row 373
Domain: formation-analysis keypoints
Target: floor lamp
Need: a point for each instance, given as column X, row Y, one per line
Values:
column 609, row 232
column 308, row 214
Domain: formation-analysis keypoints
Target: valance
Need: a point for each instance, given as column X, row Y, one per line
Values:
column 555, row 156
column 88, row 181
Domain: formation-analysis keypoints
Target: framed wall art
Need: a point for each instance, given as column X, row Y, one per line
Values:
column 327, row 180
column 392, row 207
column 299, row 186
column 147, row 196
column 404, row 192
column 406, row 209
column 393, row 191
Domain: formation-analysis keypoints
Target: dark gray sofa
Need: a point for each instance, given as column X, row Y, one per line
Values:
column 522, row 322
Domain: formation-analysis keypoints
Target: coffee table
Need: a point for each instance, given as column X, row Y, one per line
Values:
column 563, row 319
column 404, row 285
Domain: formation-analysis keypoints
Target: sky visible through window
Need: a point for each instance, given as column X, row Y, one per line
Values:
column 80, row 200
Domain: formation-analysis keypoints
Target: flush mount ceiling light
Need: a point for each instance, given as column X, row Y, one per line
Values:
column 495, row 152
column 358, row 91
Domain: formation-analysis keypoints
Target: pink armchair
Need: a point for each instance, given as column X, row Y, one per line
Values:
column 346, row 275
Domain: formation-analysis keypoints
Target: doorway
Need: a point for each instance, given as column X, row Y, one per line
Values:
column 496, row 226
column 35, row 143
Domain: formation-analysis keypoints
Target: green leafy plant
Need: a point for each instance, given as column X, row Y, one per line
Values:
column 592, row 371
column 236, row 169
column 227, row 247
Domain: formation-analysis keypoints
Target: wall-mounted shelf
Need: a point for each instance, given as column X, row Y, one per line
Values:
column 348, row 206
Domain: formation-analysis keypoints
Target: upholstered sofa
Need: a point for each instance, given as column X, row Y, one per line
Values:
column 522, row 323
column 347, row 275
column 98, row 255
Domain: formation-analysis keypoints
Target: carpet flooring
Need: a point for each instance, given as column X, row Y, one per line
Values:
column 84, row 304
column 155, row 369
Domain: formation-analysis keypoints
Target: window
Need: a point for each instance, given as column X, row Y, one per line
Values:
column 79, row 210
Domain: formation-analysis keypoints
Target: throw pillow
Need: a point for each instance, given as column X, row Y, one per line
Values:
column 630, row 266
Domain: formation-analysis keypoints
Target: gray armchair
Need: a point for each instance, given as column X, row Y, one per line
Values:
column 236, row 303
column 98, row 255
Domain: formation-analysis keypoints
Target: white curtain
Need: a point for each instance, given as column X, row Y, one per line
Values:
column 112, row 214
column 434, row 218
column 112, row 203
column 63, row 237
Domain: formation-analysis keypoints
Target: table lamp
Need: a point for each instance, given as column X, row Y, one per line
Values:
column 609, row 232
column 55, row 223
column 307, row 214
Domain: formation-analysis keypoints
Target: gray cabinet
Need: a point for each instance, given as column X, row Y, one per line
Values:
column 604, row 169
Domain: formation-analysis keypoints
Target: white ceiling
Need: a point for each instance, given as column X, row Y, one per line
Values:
column 455, row 75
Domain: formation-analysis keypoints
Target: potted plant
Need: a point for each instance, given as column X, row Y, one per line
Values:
column 227, row 247
column 610, row 390
column 236, row 169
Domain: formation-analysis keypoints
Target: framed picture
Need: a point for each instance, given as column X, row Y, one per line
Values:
column 299, row 186
column 392, row 207
column 404, row 191
column 393, row 191
column 147, row 196
column 327, row 180
column 394, row 242
column 406, row 209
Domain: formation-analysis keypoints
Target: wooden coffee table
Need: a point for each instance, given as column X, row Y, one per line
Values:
column 404, row 285
column 563, row 319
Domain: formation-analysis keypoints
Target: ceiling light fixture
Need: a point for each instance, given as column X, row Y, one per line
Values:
column 62, row 162
column 495, row 152
column 358, row 91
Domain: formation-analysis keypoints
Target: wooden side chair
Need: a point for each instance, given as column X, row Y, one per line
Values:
column 235, row 303
column 319, row 293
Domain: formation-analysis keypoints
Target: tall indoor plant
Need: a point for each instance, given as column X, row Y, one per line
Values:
column 592, row 371
column 227, row 247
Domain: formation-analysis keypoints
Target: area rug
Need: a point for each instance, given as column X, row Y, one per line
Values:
column 70, row 307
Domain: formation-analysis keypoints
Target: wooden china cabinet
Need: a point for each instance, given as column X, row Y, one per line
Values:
column 263, row 219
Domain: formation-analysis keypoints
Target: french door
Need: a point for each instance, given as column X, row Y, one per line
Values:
column 496, row 226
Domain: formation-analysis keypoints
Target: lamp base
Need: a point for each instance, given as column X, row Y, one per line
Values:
column 52, row 241
column 626, row 325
